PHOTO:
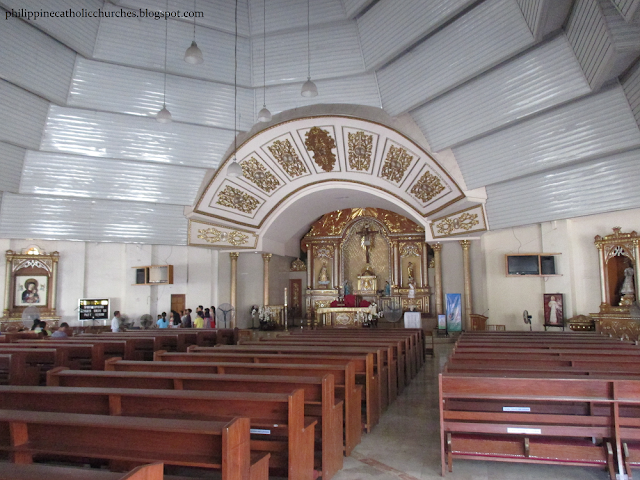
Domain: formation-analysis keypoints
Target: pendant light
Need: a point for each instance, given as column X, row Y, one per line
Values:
column 264, row 115
column 193, row 55
column 235, row 170
column 309, row 88
column 164, row 116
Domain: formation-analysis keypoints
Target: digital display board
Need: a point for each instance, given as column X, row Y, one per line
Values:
column 93, row 309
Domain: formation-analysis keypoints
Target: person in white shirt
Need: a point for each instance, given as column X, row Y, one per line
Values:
column 115, row 323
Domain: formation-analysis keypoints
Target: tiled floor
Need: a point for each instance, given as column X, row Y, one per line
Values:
column 406, row 443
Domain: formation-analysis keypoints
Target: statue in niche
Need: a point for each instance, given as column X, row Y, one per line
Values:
column 323, row 276
column 410, row 273
column 367, row 237
column 347, row 287
column 627, row 285
column 387, row 289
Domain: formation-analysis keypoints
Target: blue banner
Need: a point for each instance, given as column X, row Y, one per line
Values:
column 454, row 312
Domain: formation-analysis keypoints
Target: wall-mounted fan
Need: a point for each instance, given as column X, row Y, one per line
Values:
column 527, row 319
column 146, row 321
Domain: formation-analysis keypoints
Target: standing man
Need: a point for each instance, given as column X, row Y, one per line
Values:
column 186, row 321
column 115, row 323
column 162, row 321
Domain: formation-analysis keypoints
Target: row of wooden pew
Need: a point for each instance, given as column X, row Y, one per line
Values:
column 558, row 398
column 297, row 415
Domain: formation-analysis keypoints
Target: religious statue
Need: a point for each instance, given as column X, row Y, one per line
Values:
column 367, row 237
column 387, row 289
column 411, row 278
column 412, row 291
column 323, row 276
column 347, row 287
column 627, row 285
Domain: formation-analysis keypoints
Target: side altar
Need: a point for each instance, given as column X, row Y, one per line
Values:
column 375, row 254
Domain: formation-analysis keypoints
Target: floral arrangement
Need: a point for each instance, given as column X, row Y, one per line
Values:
column 266, row 321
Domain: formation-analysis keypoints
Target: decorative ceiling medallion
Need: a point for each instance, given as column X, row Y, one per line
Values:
column 287, row 158
column 213, row 235
column 258, row 174
column 298, row 266
column 237, row 199
column 427, row 188
column 396, row 164
column 360, row 148
column 465, row 221
column 321, row 144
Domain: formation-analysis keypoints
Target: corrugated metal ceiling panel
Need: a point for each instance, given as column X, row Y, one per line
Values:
column 489, row 34
column 598, row 186
column 598, row 125
column 545, row 76
column 355, row 7
column 358, row 90
column 285, row 14
column 390, row 27
column 98, row 134
column 143, row 46
column 218, row 14
column 631, row 87
column 335, row 52
column 52, row 218
column 109, row 179
column 78, row 34
column 34, row 60
column 104, row 86
column 23, row 116
column 11, row 160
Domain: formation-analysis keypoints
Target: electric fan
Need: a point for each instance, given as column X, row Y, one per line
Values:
column 146, row 321
column 527, row 319
column 225, row 314
column 29, row 315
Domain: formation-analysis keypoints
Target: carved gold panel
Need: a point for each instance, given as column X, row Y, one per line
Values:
column 254, row 171
column 396, row 164
column 360, row 151
column 333, row 224
column 219, row 236
column 236, row 199
column 287, row 157
column 465, row 221
column 428, row 187
column 321, row 143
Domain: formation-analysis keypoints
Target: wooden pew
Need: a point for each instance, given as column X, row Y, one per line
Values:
column 81, row 355
column 277, row 419
column 366, row 372
column 14, row 369
column 513, row 419
column 319, row 397
column 344, row 376
column 390, row 361
column 13, row 471
column 206, row 444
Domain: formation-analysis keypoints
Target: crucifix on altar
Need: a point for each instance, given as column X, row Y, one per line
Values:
column 367, row 281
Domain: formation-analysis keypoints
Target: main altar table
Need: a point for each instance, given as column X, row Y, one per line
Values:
column 339, row 316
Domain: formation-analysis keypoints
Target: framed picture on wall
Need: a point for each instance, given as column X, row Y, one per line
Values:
column 31, row 290
column 554, row 309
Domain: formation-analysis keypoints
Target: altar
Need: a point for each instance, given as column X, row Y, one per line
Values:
column 341, row 316
column 376, row 254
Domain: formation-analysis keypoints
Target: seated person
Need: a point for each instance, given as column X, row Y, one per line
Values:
column 64, row 331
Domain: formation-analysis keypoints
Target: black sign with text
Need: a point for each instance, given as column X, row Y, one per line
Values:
column 93, row 309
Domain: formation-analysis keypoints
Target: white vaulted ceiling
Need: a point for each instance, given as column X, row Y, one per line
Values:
column 513, row 96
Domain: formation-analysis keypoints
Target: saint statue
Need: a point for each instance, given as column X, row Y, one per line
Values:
column 412, row 291
column 627, row 285
column 347, row 287
column 387, row 289
column 323, row 277
column 411, row 278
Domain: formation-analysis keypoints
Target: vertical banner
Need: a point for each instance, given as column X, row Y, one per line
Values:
column 454, row 312
column 442, row 322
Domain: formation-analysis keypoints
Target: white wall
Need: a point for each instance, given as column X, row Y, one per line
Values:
column 105, row 270
column 507, row 297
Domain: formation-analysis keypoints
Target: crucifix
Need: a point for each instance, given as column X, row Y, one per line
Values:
column 367, row 240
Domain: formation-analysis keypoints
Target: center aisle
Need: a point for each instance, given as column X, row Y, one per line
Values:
column 406, row 443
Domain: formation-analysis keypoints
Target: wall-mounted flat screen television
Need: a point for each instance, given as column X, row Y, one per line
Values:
column 523, row 265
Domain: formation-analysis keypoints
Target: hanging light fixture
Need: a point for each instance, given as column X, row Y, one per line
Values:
column 234, row 169
column 309, row 88
column 193, row 55
column 264, row 115
column 164, row 115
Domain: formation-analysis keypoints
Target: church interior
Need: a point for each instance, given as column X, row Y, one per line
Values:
column 442, row 173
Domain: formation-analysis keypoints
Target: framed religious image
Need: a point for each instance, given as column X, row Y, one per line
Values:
column 31, row 290
column 553, row 310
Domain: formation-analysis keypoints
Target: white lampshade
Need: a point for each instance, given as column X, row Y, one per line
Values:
column 193, row 55
column 164, row 115
column 234, row 170
column 309, row 89
column 264, row 115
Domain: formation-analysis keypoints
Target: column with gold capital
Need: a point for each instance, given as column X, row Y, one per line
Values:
column 234, row 280
column 437, row 257
column 266, row 258
column 466, row 265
